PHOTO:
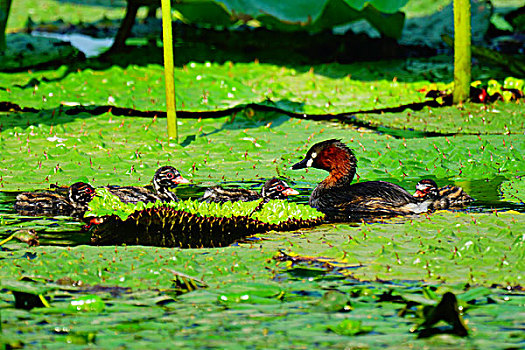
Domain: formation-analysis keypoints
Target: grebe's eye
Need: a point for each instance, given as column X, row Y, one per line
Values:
column 280, row 188
column 170, row 175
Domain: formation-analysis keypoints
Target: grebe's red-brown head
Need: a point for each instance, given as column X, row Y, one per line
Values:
column 332, row 156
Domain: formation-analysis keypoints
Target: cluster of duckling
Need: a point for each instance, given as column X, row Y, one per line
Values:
column 335, row 195
column 74, row 200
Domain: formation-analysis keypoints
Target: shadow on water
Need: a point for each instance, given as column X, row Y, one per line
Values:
column 68, row 231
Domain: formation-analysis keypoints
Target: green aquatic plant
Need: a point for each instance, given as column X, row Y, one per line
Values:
column 191, row 223
column 273, row 212
column 106, row 203
column 203, row 209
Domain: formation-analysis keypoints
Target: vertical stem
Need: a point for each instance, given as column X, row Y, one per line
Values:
column 462, row 61
column 5, row 5
column 125, row 27
column 167, row 39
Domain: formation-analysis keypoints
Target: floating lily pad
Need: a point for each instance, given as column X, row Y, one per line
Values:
column 337, row 286
column 44, row 148
column 211, row 86
column 514, row 190
column 477, row 248
column 246, row 291
column 468, row 119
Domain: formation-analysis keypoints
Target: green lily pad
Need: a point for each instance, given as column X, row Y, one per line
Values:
column 45, row 148
column 87, row 303
column 479, row 248
column 468, row 119
column 309, row 15
column 212, row 86
column 350, row 327
column 514, row 190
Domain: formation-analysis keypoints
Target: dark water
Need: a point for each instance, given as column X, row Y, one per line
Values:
column 68, row 231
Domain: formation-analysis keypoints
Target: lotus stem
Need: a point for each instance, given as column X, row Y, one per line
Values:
column 5, row 5
column 167, row 39
column 462, row 56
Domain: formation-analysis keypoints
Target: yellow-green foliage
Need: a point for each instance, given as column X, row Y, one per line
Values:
column 273, row 212
column 106, row 203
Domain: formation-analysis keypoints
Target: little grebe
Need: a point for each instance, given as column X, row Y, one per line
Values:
column 336, row 196
column 443, row 198
column 75, row 203
column 272, row 189
column 165, row 177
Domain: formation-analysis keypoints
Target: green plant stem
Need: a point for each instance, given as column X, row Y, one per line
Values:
column 462, row 61
column 169, row 70
column 5, row 5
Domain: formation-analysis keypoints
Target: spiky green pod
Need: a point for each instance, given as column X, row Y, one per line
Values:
column 191, row 224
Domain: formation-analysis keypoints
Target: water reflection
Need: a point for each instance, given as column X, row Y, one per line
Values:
column 88, row 45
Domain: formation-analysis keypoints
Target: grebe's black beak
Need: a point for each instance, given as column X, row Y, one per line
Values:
column 301, row 165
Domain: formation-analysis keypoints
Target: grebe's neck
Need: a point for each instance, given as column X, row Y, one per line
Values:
column 341, row 163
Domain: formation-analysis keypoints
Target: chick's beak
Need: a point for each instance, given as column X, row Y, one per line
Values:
column 290, row 192
column 419, row 193
column 181, row 180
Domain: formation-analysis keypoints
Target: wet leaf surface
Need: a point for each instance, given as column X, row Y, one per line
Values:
column 479, row 248
column 45, row 148
column 241, row 298
column 361, row 284
column 212, row 86
column 474, row 119
column 513, row 190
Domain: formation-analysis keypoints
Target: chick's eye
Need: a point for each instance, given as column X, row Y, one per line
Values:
column 89, row 190
column 280, row 187
column 170, row 175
